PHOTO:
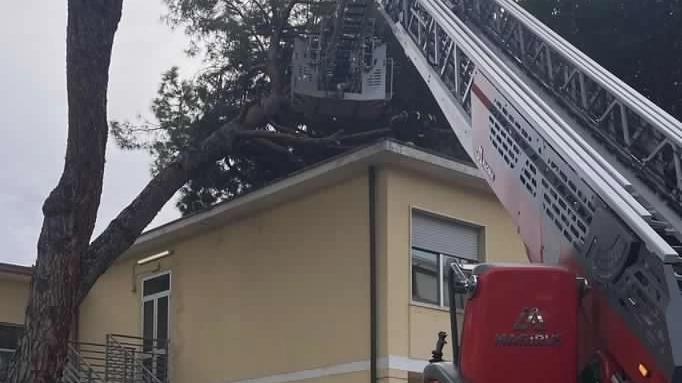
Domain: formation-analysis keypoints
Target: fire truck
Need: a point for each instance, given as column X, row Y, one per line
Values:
column 588, row 168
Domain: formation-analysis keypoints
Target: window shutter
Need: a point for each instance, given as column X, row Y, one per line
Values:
column 443, row 236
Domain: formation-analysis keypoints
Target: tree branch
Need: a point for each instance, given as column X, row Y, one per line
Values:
column 335, row 138
column 367, row 134
column 285, row 129
column 127, row 226
column 146, row 130
column 273, row 52
column 274, row 147
column 288, row 138
column 287, row 12
column 266, row 16
column 238, row 11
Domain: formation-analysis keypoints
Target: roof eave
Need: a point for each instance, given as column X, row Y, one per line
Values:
column 386, row 152
column 15, row 272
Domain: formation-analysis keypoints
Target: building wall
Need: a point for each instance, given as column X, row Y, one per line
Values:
column 278, row 291
column 113, row 304
column 14, row 290
column 411, row 328
column 14, row 293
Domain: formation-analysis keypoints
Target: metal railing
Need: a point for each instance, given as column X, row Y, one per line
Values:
column 78, row 370
column 136, row 360
column 122, row 359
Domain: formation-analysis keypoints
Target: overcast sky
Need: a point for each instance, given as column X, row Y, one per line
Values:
column 33, row 111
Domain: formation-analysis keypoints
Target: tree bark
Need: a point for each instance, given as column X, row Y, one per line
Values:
column 71, row 208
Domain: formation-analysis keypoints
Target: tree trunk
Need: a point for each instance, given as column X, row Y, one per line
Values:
column 68, row 265
column 71, row 208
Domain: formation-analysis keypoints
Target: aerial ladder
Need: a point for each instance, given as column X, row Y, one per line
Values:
column 590, row 172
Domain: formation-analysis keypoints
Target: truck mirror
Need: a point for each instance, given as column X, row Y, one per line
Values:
column 459, row 282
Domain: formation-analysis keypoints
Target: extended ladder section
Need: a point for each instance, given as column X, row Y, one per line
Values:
column 588, row 167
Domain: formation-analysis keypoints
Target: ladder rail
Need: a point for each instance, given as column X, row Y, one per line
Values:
column 558, row 132
column 629, row 177
column 629, row 115
column 592, row 158
column 468, row 44
column 605, row 164
column 643, row 107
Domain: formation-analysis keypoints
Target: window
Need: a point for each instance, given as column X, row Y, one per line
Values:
column 155, row 323
column 437, row 243
column 9, row 337
column 425, row 275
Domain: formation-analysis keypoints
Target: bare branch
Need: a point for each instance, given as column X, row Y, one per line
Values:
column 257, row 68
column 335, row 138
column 288, row 138
column 230, row 6
column 285, row 128
column 265, row 14
column 287, row 11
column 283, row 21
column 273, row 52
column 275, row 147
column 146, row 129
column 367, row 134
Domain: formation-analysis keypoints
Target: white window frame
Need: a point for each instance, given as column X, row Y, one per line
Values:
column 144, row 299
column 153, row 297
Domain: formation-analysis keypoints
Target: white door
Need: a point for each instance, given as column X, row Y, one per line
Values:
column 155, row 323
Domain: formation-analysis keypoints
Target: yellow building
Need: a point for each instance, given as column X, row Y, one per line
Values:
column 14, row 288
column 333, row 274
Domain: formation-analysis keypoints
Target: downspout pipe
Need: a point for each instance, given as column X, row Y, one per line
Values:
column 372, row 276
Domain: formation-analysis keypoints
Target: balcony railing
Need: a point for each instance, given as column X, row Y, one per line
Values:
column 133, row 359
column 122, row 359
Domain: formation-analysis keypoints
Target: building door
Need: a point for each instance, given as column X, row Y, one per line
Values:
column 156, row 323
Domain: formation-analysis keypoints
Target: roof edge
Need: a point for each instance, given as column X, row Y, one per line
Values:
column 274, row 186
column 383, row 152
column 11, row 268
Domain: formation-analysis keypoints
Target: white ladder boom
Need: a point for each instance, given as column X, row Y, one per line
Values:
column 578, row 158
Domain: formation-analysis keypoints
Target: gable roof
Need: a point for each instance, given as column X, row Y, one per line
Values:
column 385, row 152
